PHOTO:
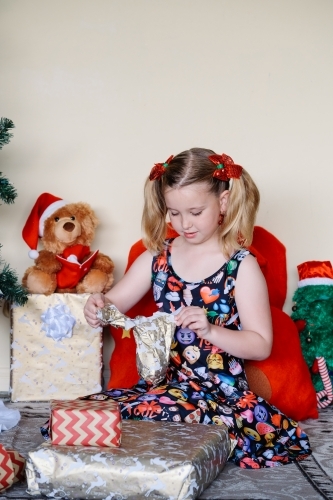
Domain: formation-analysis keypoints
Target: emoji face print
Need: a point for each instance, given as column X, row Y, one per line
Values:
column 247, row 444
column 196, row 395
column 252, row 434
column 212, row 404
column 177, row 418
column 185, row 336
column 202, row 404
column 191, row 354
column 114, row 393
column 214, row 361
column 217, row 420
column 147, row 397
column 260, row 413
column 178, row 394
column 269, row 438
column 98, row 397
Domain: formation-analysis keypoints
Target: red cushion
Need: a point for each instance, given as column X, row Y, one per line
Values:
column 271, row 255
column 284, row 378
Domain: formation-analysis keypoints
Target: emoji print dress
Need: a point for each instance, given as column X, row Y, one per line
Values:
column 207, row 385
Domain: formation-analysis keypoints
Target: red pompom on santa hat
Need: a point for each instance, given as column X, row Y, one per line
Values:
column 315, row 272
column 44, row 207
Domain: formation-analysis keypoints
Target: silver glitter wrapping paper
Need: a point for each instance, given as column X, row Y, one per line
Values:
column 153, row 337
column 161, row 460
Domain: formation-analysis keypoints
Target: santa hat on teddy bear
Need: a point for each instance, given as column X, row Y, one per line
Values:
column 44, row 207
column 315, row 272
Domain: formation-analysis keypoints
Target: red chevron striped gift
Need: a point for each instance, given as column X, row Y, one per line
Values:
column 12, row 466
column 85, row 423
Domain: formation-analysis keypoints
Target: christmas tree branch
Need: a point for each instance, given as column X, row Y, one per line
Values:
column 7, row 191
column 10, row 288
column 5, row 135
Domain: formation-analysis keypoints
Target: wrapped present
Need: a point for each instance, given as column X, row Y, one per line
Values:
column 85, row 422
column 55, row 354
column 153, row 337
column 161, row 460
column 12, row 466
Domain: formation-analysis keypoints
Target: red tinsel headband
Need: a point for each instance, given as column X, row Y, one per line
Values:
column 225, row 167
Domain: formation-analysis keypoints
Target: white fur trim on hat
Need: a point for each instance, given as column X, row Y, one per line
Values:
column 315, row 281
column 48, row 212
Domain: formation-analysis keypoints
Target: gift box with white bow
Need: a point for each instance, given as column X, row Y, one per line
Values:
column 55, row 354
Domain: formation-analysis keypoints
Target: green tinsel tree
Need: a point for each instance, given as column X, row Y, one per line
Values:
column 10, row 288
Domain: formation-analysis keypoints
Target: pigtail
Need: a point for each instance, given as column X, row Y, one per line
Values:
column 238, row 224
column 153, row 225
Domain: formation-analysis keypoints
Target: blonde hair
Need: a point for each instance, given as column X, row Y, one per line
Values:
column 193, row 166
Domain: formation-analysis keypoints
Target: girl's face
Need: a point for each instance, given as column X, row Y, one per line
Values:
column 194, row 211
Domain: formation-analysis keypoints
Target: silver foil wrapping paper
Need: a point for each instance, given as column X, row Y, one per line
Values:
column 161, row 460
column 153, row 337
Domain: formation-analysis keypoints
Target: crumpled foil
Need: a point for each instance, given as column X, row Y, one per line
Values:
column 153, row 337
column 164, row 460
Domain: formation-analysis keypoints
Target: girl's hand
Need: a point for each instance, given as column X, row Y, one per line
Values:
column 194, row 318
column 94, row 302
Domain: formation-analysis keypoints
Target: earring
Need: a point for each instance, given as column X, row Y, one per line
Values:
column 221, row 219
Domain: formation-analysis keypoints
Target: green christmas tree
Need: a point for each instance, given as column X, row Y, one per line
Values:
column 10, row 288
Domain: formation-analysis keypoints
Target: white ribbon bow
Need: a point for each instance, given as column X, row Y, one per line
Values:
column 58, row 322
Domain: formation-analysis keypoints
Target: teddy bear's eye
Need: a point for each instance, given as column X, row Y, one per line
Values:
column 56, row 219
column 72, row 218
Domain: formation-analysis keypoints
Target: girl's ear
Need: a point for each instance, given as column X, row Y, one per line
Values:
column 224, row 201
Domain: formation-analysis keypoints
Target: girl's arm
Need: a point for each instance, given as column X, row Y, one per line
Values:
column 255, row 339
column 126, row 293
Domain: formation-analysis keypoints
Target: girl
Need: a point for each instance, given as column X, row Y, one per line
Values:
column 224, row 317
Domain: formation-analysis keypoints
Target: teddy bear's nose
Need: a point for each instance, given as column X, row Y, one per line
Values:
column 69, row 226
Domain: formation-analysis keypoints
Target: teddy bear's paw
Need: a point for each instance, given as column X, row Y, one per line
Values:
column 94, row 282
column 108, row 284
column 37, row 281
column 104, row 263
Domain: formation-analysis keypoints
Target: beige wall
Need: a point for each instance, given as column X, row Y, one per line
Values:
column 99, row 90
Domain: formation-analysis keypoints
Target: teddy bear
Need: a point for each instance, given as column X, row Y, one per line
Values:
column 65, row 264
column 312, row 313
